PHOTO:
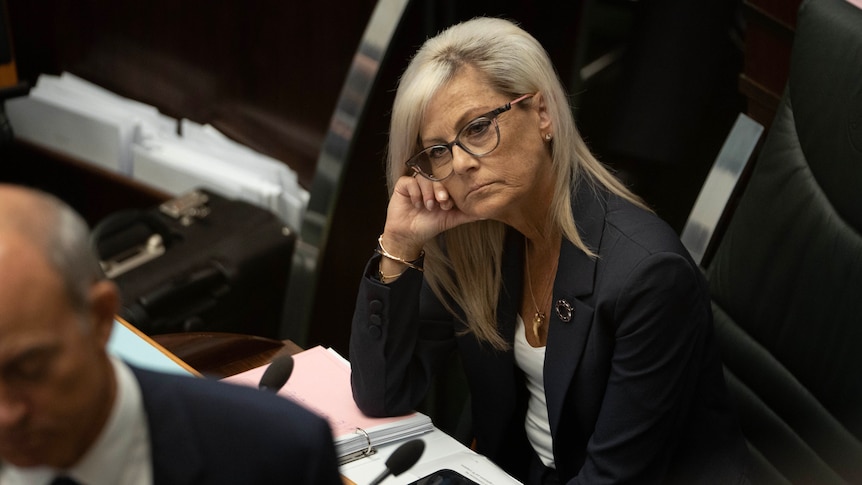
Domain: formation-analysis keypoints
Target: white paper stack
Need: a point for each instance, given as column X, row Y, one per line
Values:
column 67, row 118
column 73, row 116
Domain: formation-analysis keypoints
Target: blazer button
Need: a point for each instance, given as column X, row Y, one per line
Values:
column 376, row 326
column 375, row 306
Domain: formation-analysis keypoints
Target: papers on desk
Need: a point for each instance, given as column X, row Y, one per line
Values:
column 73, row 116
column 50, row 117
column 321, row 382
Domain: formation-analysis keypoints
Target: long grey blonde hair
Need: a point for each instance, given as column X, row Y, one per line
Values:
column 464, row 263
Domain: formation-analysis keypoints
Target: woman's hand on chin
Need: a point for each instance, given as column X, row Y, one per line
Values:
column 419, row 209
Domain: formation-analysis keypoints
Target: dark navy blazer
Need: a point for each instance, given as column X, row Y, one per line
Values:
column 633, row 380
column 207, row 432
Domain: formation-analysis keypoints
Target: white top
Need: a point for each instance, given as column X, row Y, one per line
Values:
column 119, row 456
column 531, row 360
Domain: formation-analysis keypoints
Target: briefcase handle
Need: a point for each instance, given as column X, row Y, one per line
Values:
column 127, row 239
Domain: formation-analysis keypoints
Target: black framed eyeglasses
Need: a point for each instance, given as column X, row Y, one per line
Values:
column 478, row 138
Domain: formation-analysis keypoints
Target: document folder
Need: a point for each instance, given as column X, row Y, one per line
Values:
column 321, row 382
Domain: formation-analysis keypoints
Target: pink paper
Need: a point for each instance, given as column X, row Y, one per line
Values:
column 321, row 382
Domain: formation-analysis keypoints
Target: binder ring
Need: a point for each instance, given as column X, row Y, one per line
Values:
column 370, row 449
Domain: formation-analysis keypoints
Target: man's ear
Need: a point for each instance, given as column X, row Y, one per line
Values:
column 104, row 304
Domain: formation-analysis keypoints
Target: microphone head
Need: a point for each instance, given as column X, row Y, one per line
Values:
column 405, row 456
column 277, row 373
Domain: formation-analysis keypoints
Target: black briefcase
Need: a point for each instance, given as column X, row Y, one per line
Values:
column 199, row 262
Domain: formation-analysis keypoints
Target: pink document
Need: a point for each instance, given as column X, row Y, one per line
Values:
column 321, row 382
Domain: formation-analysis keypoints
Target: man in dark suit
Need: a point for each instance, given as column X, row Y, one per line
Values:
column 68, row 408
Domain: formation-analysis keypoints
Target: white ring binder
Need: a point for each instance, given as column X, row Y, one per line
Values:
column 368, row 451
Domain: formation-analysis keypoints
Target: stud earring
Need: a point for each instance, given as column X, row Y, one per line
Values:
column 548, row 137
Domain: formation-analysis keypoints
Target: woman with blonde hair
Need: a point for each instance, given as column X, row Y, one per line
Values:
column 583, row 326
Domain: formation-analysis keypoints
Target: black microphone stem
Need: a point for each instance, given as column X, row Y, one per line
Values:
column 380, row 477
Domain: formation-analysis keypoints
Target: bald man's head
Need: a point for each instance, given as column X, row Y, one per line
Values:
column 57, row 231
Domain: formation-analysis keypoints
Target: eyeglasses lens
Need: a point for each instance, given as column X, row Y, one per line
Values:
column 479, row 137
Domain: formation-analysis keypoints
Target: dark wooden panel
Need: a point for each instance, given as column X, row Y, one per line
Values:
column 8, row 72
column 93, row 192
column 781, row 11
column 266, row 72
column 769, row 32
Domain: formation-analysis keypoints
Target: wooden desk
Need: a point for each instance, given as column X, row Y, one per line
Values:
column 218, row 355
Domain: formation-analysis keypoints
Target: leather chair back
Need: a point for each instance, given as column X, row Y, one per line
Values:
column 786, row 277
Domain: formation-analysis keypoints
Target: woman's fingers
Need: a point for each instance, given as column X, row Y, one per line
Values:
column 427, row 188
column 424, row 193
column 442, row 196
column 434, row 194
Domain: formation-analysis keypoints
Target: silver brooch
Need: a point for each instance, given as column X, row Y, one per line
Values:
column 565, row 310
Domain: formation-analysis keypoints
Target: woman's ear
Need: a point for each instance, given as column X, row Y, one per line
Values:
column 541, row 107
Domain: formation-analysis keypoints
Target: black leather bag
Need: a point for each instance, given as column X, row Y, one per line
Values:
column 200, row 262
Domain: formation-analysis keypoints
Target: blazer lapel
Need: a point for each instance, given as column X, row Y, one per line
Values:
column 574, row 280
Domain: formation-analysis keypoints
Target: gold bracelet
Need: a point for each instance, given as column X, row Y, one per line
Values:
column 392, row 277
column 415, row 264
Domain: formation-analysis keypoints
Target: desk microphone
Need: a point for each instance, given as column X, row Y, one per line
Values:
column 276, row 375
column 402, row 459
